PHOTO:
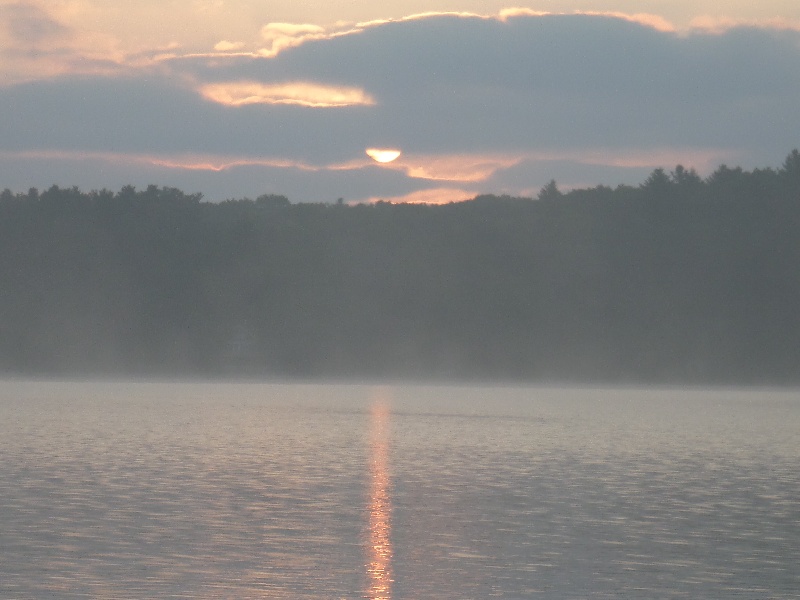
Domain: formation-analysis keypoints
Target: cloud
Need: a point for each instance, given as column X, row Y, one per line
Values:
column 29, row 37
column 280, row 36
column 721, row 25
column 474, row 103
column 217, row 177
column 657, row 22
column 302, row 93
column 36, row 45
column 226, row 46
column 273, row 31
column 463, row 168
column 436, row 195
column 556, row 81
column 29, row 25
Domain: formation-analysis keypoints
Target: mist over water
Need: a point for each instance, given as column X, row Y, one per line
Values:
column 120, row 490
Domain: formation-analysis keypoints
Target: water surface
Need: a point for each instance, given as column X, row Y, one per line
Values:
column 131, row 490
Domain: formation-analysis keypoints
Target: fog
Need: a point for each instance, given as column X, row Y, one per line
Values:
column 678, row 280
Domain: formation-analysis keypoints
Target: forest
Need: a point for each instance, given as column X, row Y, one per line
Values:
column 680, row 280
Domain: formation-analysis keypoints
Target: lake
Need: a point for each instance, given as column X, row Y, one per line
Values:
column 250, row 490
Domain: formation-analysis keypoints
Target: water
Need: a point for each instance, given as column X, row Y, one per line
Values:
column 134, row 490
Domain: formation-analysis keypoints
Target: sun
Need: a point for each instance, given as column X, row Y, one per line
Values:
column 383, row 155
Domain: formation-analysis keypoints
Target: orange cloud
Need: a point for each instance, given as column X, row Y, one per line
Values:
column 302, row 93
column 360, row 26
column 430, row 196
column 720, row 25
column 189, row 162
column 476, row 168
column 34, row 44
column 456, row 167
column 280, row 36
column 705, row 23
column 217, row 164
column 226, row 46
column 278, row 30
column 509, row 13
column 654, row 21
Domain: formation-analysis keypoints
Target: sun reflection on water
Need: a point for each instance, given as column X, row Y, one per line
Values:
column 379, row 545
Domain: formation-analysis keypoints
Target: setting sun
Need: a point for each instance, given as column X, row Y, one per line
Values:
column 383, row 155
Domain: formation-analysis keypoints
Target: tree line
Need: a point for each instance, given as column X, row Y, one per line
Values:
column 678, row 280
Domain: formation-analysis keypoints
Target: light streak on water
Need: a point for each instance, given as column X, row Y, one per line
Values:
column 379, row 545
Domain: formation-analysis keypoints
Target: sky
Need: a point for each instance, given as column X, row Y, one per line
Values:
column 238, row 98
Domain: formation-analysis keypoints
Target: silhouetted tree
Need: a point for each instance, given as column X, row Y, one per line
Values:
column 658, row 181
column 680, row 176
column 725, row 176
column 790, row 172
column 550, row 191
